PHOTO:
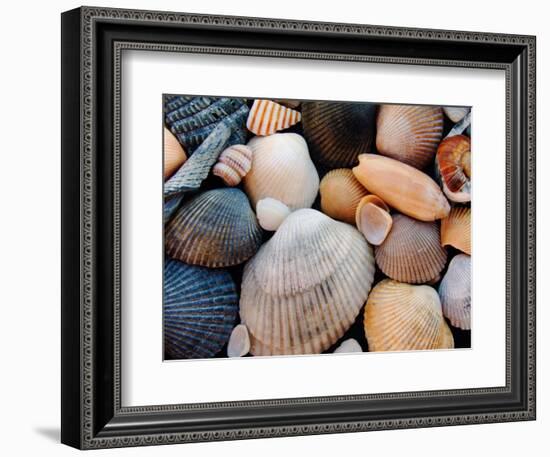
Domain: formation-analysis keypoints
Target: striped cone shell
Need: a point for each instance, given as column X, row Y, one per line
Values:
column 455, row 292
column 416, row 195
column 340, row 194
column 267, row 117
column 338, row 132
column 234, row 163
column 453, row 166
column 373, row 219
column 174, row 154
column 412, row 251
column 214, row 229
column 455, row 113
column 283, row 170
column 305, row 287
column 402, row 317
column 456, row 230
column 409, row 134
column 199, row 310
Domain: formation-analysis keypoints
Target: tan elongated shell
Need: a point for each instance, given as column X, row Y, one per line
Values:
column 214, row 229
column 455, row 292
column 234, row 163
column 402, row 317
column 456, row 229
column 403, row 187
column 373, row 219
column 174, row 154
column 271, row 213
column 408, row 133
column 340, row 194
column 267, row 117
column 283, row 170
column 412, row 251
column 456, row 113
column 305, row 287
column 338, row 132
column 453, row 165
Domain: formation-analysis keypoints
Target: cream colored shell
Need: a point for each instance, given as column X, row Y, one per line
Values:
column 456, row 229
column 234, row 163
column 174, row 154
column 283, row 170
column 455, row 292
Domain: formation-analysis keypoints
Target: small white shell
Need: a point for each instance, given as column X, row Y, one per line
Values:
column 271, row 213
column 233, row 164
column 348, row 346
column 239, row 342
column 455, row 113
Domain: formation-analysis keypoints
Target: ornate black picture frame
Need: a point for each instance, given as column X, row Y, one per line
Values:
column 92, row 42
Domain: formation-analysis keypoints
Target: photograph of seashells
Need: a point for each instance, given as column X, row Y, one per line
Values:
column 314, row 227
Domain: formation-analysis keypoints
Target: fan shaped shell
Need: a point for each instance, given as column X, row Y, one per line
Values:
column 456, row 229
column 412, row 251
column 216, row 228
column 338, row 132
column 340, row 193
column 403, row 187
column 455, row 292
column 283, row 170
column 267, row 117
column 199, row 310
column 408, row 133
column 403, row 317
column 306, row 285
column 234, row 163
column 174, row 154
column 454, row 167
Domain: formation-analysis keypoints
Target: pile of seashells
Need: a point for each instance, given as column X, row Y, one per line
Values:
column 314, row 227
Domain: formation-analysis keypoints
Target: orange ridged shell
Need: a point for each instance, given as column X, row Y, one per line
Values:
column 340, row 194
column 412, row 251
column 453, row 164
column 402, row 317
column 409, row 134
column 174, row 154
column 267, row 117
column 456, row 229
column 403, row 187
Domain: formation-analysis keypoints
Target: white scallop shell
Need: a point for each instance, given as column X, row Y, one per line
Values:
column 282, row 169
column 305, row 287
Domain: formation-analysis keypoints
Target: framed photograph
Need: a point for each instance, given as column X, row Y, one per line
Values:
column 275, row 228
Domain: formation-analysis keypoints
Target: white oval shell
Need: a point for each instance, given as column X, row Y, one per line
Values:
column 455, row 113
column 239, row 342
column 282, row 169
column 347, row 346
column 455, row 292
column 271, row 213
column 306, row 285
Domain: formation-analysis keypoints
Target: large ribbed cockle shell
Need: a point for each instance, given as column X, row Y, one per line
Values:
column 340, row 194
column 403, row 317
column 174, row 154
column 214, row 229
column 456, row 229
column 305, row 287
column 282, row 169
column 199, row 310
column 453, row 166
column 409, row 133
column 412, row 251
column 192, row 119
column 402, row 187
column 455, row 292
column 267, row 117
column 337, row 132
column 234, row 163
